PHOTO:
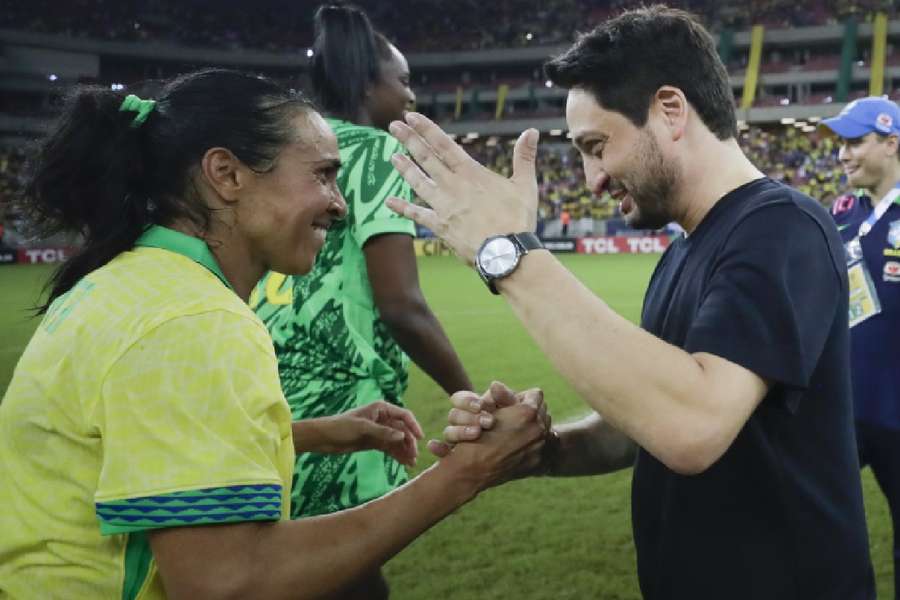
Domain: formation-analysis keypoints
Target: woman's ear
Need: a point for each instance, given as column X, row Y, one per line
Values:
column 224, row 173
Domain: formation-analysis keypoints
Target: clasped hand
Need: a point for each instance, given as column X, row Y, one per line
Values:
column 517, row 422
column 490, row 439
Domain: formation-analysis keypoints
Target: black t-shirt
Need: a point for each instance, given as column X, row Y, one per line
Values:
column 762, row 283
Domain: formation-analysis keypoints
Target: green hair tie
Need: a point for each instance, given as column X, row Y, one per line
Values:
column 143, row 108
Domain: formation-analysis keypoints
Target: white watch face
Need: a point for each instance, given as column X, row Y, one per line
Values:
column 498, row 257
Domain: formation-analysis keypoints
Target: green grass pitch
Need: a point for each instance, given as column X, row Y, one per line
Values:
column 531, row 539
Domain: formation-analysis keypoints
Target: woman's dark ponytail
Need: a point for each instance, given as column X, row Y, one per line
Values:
column 107, row 173
column 345, row 59
column 87, row 178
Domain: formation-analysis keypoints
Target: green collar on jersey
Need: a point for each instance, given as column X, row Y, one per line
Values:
column 157, row 236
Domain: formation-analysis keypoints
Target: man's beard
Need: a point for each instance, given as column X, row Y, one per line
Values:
column 652, row 187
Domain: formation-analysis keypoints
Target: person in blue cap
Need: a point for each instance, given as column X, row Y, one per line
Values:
column 869, row 222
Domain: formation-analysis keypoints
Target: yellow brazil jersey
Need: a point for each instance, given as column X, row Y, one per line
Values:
column 147, row 398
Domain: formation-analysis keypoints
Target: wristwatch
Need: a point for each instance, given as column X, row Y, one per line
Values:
column 500, row 255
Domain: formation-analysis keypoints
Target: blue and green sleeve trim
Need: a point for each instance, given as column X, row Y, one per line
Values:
column 231, row 504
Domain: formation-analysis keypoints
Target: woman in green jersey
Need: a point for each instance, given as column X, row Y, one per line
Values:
column 343, row 333
column 146, row 449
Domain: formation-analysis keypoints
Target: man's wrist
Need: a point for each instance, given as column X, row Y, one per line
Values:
column 550, row 454
column 524, row 272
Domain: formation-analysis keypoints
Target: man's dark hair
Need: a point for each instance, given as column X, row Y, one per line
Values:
column 624, row 61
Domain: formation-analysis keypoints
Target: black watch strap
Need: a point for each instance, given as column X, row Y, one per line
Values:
column 527, row 241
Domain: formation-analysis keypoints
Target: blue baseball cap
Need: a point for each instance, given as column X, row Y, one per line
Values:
column 864, row 116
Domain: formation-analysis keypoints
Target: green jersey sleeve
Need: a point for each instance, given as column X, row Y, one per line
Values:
column 367, row 180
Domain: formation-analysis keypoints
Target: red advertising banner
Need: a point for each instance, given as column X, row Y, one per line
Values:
column 34, row 256
column 623, row 244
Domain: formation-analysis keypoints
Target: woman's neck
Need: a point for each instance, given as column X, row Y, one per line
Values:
column 233, row 257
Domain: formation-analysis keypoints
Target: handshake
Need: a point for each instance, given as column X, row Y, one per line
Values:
column 501, row 434
column 491, row 438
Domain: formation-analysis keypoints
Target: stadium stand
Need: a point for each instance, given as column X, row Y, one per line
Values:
column 470, row 25
column 11, row 168
column 807, row 161
column 483, row 80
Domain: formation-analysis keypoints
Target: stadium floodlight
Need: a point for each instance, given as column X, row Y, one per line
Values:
column 556, row 132
column 52, row 77
column 529, row 36
column 548, row 84
column 787, row 120
column 309, row 53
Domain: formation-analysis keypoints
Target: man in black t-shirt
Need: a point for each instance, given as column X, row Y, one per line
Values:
column 779, row 514
column 734, row 394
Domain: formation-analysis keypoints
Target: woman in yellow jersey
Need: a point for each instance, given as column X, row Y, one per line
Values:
column 146, row 450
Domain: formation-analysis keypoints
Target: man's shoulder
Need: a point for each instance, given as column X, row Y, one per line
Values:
column 774, row 205
column 771, row 193
column 772, row 219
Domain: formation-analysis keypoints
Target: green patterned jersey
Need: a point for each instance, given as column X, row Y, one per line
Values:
column 334, row 353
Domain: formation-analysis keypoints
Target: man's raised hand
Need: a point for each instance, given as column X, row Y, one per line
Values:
column 468, row 203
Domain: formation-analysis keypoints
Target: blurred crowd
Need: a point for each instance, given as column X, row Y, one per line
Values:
column 273, row 25
column 806, row 161
column 12, row 161
column 802, row 160
column 286, row 25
